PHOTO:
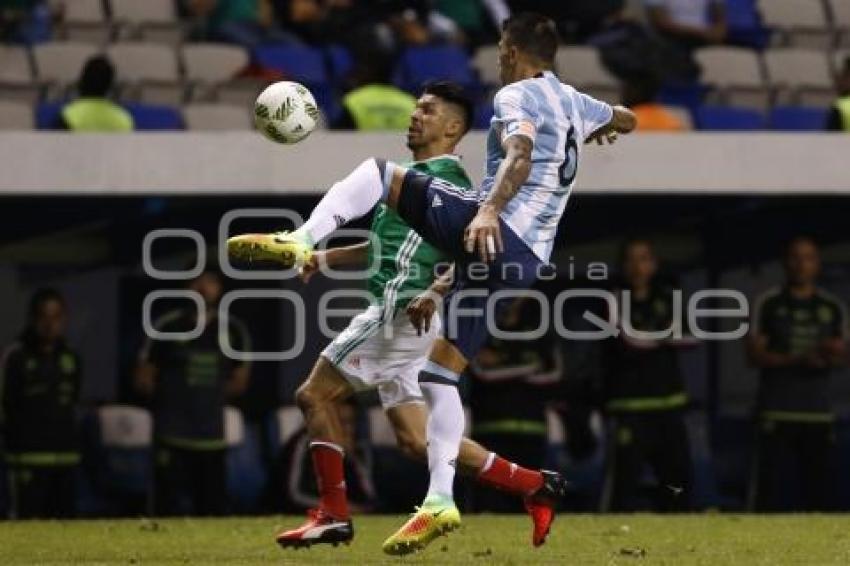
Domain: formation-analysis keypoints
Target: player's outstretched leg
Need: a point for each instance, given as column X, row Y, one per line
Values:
column 348, row 199
column 331, row 522
column 438, row 513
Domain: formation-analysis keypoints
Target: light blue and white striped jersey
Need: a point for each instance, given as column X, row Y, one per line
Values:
column 558, row 119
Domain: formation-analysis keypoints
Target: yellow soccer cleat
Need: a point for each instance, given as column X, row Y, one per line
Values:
column 284, row 248
column 429, row 522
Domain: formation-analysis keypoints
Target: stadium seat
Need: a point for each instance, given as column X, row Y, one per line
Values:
column 736, row 75
column 839, row 60
column 303, row 64
column 744, row 24
column 58, row 64
column 246, row 475
column 341, row 63
column 483, row 114
column 800, row 76
column 216, row 117
column 726, row 118
column 122, row 457
column 16, row 75
column 486, row 62
column 16, row 116
column 799, row 23
column 208, row 65
column 151, row 20
column 582, row 67
column 84, row 21
column 419, row 65
column 841, row 21
column 155, row 117
column 147, row 72
column 798, row 119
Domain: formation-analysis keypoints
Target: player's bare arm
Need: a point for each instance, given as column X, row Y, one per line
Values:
column 356, row 254
column 623, row 121
column 421, row 309
column 483, row 234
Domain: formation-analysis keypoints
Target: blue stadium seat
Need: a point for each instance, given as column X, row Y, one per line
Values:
column 46, row 115
column 303, row 64
column 341, row 62
column 798, row 119
column 727, row 118
column 745, row 27
column 151, row 117
column 483, row 113
column 419, row 65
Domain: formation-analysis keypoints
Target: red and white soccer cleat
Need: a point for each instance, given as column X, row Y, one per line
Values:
column 542, row 504
column 320, row 528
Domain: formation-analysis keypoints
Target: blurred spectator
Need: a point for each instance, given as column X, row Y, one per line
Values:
column 93, row 111
column 248, row 23
column 797, row 340
column 511, row 384
column 300, row 491
column 689, row 23
column 374, row 104
column 189, row 382
column 644, row 391
column 40, row 386
column 318, row 21
column 839, row 114
column 639, row 96
column 479, row 20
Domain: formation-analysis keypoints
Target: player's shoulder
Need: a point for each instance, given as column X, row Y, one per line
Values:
column 11, row 354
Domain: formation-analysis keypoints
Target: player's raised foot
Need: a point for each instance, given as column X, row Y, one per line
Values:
column 288, row 249
column 320, row 528
column 543, row 503
column 436, row 517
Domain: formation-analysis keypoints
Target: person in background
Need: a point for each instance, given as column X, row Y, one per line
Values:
column 318, row 22
column 479, row 20
column 689, row 23
column 93, row 111
column 189, row 381
column 639, row 96
column 511, row 382
column 839, row 114
column 300, row 489
column 644, row 394
column 40, row 389
column 374, row 104
column 248, row 23
column 798, row 338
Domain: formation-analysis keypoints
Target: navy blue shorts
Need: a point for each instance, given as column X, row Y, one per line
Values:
column 440, row 213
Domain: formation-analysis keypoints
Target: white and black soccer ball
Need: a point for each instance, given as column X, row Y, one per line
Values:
column 286, row 112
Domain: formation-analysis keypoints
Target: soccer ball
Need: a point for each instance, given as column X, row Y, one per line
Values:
column 286, row 112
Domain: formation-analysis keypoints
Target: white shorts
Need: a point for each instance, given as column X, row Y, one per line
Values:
column 388, row 356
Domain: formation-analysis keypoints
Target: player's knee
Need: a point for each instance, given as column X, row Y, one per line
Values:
column 308, row 397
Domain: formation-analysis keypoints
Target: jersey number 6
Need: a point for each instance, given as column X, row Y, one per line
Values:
column 567, row 171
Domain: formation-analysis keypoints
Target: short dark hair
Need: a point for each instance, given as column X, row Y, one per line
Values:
column 96, row 77
column 455, row 94
column 632, row 241
column 533, row 34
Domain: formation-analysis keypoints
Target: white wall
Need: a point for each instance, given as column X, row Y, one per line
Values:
column 40, row 162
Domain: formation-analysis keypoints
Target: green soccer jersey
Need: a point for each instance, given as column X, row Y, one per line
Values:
column 403, row 262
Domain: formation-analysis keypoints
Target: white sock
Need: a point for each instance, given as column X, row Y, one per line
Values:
column 445, row 432
column 348, row 199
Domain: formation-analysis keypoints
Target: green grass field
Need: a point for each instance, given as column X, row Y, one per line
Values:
column 484, row 540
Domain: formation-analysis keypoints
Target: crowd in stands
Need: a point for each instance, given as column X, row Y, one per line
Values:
column 197, row 64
